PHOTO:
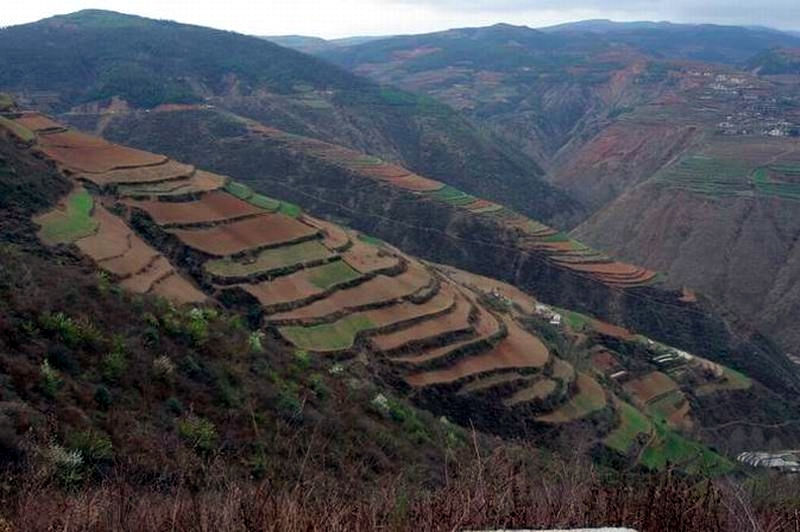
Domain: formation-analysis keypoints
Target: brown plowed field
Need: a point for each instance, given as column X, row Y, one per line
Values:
column 198, row 183
column 611, row 330
column 452, row 322
column 518, row 350
column 170, row 170
column 287, row 288
column 376, row 290
column 98, row 159
column 651, row 386
column 37, row 122
column 133, row 261
column 365, row 259
column 605, row 362
column 111, row 238
column 177, row 289
column 416, row 183
column 253, row 233
column 212, row 207
column 619, row 270
column 486, row 326
column 407, row 310
column 141, row 283
column 71, row 139
column 335, row 236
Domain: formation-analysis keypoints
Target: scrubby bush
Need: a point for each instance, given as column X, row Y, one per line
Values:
column 163, row 368
column 199, row 433
column 102, row 396
column 50, row 379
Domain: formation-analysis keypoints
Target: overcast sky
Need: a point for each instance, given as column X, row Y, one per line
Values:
column 341, row 18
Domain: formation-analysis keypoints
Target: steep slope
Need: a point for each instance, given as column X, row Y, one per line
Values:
column 440, row 335
column 723, row 220
column 93, row 64
column 443, row 224
column 539, row 90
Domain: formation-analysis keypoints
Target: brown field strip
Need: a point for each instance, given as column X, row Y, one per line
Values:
column 112, row 238
column 169, row 171
column 376, row 290
column 335, row 237
column 450, row 323
column 142, row 282
column 589, row 398
column 518, row 350
column 616, row 269
column 651, row 386
column 485, row 327
column 368, row 259
column 72, row 139
column 99, row 159
column 136, row 259
column 213, row 207
column 177, row 289
column 37, row 122
column 253, row 233
column 287, row 288
column 406, row 311
column 609, row 329
column 198, row 183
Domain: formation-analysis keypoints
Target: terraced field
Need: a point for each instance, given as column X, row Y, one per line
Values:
column 536, row 238
column 332, row 292
column 754, row 167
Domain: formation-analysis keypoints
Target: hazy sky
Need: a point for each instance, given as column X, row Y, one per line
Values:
column 340, row 18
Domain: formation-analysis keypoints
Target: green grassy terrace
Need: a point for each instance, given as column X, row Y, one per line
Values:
column 269, row 260
column 335, row 336
column 71, row 224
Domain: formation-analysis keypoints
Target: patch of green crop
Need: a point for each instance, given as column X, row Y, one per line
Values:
column 290, row 209
column 558, row 237
column 453, row 196
column 335, row 336
column 263, row 202
column 576, row 320
column 731, row 380
column 71, row 224
column 631, row 424
column 239, row 190
column 332, row 274
column 371, row 240
column 671, row 448
column 269, row 259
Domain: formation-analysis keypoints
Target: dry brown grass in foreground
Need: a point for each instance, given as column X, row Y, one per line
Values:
column 496, row 492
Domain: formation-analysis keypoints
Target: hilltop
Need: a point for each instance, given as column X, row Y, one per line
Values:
column 107, row 62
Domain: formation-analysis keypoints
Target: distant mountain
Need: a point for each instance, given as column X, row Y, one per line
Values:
column 301, row 43
column 605, row 26
column 704, row 42
column 81, row 63
column 312, row 45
